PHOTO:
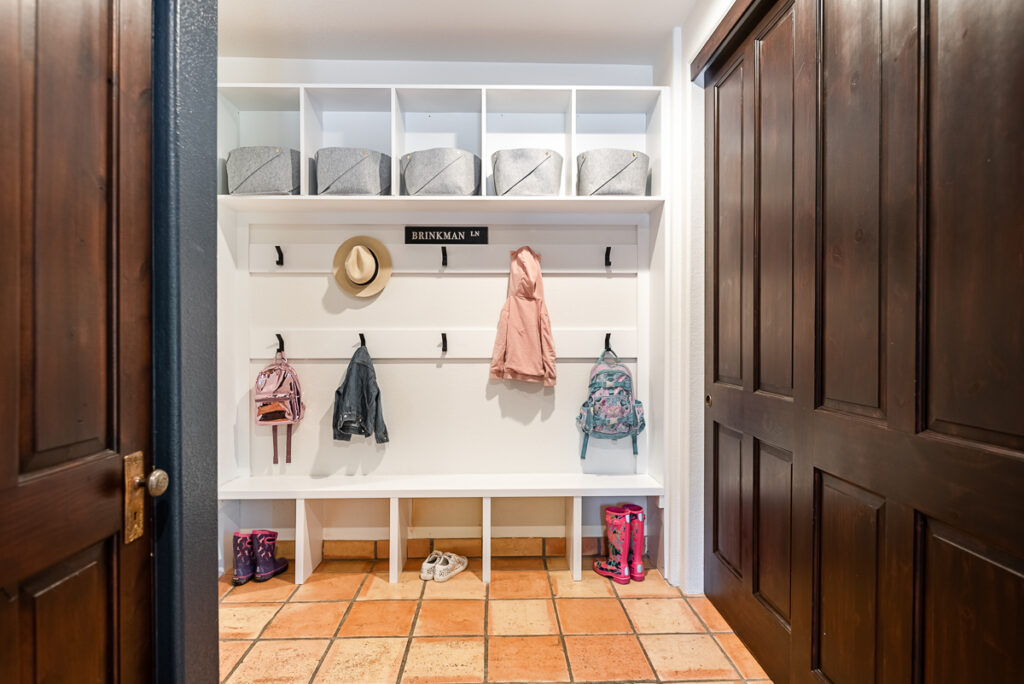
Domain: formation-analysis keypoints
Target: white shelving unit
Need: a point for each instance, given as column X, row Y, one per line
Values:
column 481, row 119
column 299, row 300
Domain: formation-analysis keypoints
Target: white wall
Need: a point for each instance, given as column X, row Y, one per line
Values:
column 249, row 70
column 688, row 341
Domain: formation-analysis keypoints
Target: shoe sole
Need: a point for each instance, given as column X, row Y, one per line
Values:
column 451, row 575
column 613, row 577
column 264, row 578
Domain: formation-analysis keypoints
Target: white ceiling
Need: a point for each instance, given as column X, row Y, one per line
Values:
column 568, row 31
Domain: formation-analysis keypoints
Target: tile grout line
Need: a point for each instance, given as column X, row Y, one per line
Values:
column 712, row 635
column 412, row 628
column 333, row 639
column 636, row 635
column 558, row 624
column 257, row 639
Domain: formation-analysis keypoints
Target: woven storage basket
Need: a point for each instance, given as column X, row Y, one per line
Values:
column 263, row 171
column 612, row 172
column 527, row 172
column 352, row 171
column 441, row 171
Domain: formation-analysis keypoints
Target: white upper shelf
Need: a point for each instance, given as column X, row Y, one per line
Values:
column 427, row 486
column 476, row 204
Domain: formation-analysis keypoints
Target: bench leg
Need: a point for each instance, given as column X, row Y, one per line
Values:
column 309, row 537
column 574, row 536
column 401, row 517
column 485, row 536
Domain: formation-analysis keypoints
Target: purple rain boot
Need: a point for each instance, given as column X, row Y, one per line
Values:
column 267, row 566
column 245, row 562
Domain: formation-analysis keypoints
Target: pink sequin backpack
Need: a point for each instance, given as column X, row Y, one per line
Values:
column 278, row 398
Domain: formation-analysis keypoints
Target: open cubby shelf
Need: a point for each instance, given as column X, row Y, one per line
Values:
column 481, row 119
column 311, row 494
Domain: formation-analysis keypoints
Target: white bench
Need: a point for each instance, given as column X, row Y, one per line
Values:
column 310, row 493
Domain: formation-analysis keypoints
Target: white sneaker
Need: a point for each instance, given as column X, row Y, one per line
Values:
column 449, row 566
column 430, row 564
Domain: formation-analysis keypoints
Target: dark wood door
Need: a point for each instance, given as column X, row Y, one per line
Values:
column 75, row 119
column 865, row 338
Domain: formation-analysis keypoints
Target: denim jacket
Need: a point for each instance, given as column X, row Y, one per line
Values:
column 357, row 407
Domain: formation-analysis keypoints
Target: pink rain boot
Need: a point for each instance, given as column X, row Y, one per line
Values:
column 616, row 565
column 636, row 542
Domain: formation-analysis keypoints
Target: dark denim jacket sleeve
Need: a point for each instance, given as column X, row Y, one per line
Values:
column 357, row 405
column 376, row 416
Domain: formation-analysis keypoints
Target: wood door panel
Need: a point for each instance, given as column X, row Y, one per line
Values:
column 849, row 523
column 926, row 472
column 765, row 416
column 96, row 485
column 728, row 227
column 75, row 299
column 773, row 91
column 975, row 227
column 58, row 611
column 773, row 505
column 728, row 498
column 852, row 280
column 69, row 248
column 972, row 599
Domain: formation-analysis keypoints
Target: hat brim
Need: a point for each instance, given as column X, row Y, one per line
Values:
column 383, row 266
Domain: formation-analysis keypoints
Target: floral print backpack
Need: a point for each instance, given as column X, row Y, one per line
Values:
column 610, row 411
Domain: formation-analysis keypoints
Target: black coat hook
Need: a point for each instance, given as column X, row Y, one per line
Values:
column 444, row 256
column 280, row 255
column 607, row 256
column 280, row 343
column 362, row 340
column 444, row 342
column 607, row 341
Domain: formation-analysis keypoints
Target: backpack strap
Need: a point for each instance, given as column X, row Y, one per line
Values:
column 583, row 452
column 634, row 444
column 274, row 431
column 288, row 444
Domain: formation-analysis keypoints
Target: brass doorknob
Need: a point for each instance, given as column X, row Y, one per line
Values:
column 157, row 482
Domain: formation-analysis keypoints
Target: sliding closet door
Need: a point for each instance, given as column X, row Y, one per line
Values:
column 751, row 378
column 865, row 337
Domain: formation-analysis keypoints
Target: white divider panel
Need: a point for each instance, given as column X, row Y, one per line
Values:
column 463, row 343
column 401, row 518
column 485, row 537
column 309, row 537
column 574, row 536
column 462, row 259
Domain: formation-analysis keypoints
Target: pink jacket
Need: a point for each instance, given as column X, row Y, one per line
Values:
column 524, row 348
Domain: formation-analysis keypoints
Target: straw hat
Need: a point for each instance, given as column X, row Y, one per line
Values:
column 362, row 266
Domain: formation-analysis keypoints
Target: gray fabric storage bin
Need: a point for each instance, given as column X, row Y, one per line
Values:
column 352, row 171
column 441, row 171
column 263, row 171
column 612, row 172
column 527, row 172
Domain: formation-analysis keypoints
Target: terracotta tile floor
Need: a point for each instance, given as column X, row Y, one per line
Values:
column 531, row 624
